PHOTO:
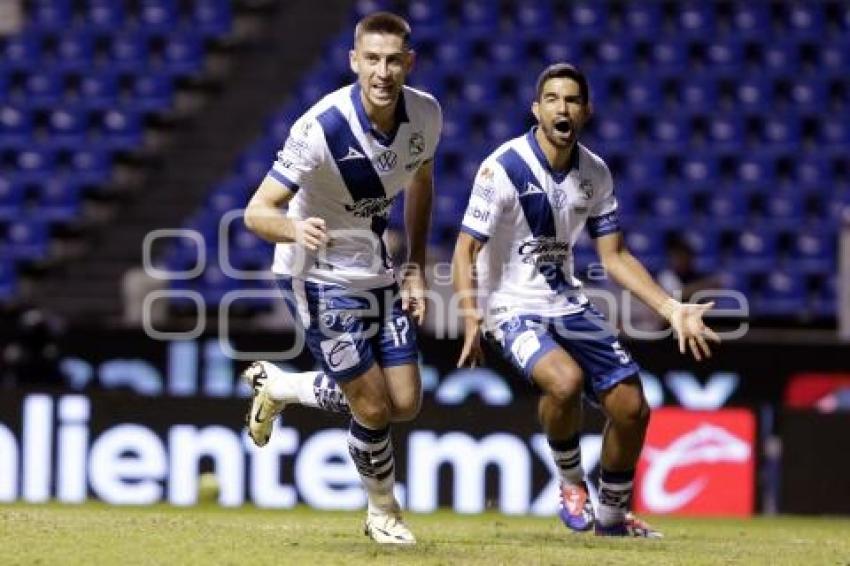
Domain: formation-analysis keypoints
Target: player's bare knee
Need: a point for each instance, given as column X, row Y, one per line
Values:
column 633, row 412
column 566, row 389
column 375, row 414
column 406, row 409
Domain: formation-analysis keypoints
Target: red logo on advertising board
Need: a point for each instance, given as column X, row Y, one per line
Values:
column 697, row 463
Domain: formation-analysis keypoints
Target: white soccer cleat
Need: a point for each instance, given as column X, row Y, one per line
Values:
column 264, row 409
column 387, row 527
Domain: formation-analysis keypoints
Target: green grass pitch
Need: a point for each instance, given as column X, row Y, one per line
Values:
column 98, row 534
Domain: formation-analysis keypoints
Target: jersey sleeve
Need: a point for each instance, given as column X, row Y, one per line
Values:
column 486, row 202
column 435, row 131
column 602, row 218
column 301, row 154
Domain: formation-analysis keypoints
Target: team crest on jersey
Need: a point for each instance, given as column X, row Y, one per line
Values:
column 369, row 207
column 486, row 174
column 416, row 144
column 559, row 199
column 386, row 161
column 585, row 188
column 531, row 189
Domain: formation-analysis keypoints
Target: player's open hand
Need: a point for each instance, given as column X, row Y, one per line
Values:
column 311, row 233
column 413, row 294
column 472, row 354
column 686, row 320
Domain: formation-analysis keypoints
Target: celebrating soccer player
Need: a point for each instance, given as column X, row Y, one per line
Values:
column 530, row 200
column 344, row 162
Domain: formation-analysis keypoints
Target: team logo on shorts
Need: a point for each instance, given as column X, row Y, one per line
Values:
column 513, row 324
column 524, row 347
column 340, row 353
column 386, row 161
column 416, row 145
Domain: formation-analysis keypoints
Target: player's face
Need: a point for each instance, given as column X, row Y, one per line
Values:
column 561, row 112
column 381, row 62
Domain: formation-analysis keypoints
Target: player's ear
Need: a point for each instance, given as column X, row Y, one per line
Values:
column 535, row 109
column 409, row 60
column 352, row 62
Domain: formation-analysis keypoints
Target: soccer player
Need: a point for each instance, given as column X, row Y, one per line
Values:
column 344, row 162
column 530, row 200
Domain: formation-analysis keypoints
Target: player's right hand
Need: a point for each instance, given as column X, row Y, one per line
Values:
column 311, row 233
column 472, row 354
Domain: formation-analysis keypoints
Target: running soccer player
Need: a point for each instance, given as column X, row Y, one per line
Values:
column 344, row 162
column 531, row 198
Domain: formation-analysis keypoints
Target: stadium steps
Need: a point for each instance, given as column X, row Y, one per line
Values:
column 89, row 288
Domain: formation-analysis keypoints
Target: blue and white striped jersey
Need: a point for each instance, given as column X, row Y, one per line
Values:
column 344, row 171
column 530, row 217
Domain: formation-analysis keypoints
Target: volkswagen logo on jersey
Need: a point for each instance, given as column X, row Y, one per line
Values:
column 369, row 207
column 416, row 145
column 559, row 199
column 386, row 161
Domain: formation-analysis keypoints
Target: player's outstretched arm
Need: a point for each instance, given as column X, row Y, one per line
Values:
column 463, row 279
column 686, row 319
column 417, row 220
column 264, row 217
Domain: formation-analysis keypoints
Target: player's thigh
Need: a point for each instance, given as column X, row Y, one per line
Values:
column 404, row 388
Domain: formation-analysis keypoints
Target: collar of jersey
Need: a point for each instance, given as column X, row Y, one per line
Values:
column 558, row 176
column 363, row 118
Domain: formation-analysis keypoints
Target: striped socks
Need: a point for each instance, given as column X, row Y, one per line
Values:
column 372, row 453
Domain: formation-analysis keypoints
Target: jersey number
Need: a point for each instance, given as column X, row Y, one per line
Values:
column 399, row 328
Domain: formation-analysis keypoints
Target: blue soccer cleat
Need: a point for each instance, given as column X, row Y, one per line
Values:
column 630, row 527
column 576, row 508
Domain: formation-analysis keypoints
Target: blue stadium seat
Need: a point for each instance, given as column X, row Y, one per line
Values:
column 90, row 165
column 60, row 201
column 642, row 19
column 104, row 15
column 121, row 129
column 806, row 94
column 482, row 88
column 834, row 56
column 98, row 90
column 27, row 239
column 784, row 208
column 43, row 89
column 705, row 243
column 8, row 279
column 67, row 127
column 814, row 249
column 755, row 250
column 695, row 19
column 157, row 16
column 50, row 15
column 561, row 49
column 453, row 54
column 813, row 170
column 129, row 51
column 698, row 91
column 780, row 55
column 835, row 133
column 213, row 285
column 183, row 54
column 726, row 55
column 700, row 169
column 615, row 131
column 648, row 171
column 781, row 132
column 479, row 16
column 426, row 13
column 21, row 52
column 753, row 92
column 74, row 51
column 152, row 92
column 805, row 19
column 669, row 130
column 34, row 164
column 647, row 245
column 12, row 199
column 728, row 208
column 668, row 56
column 615, row 55
column 506, row 52
column 588, row 19
column 756, row 170
column 16, row 125
column 782, row 294
column 363, row 8
column 213, row 18
column 671, row 209
column 726, row 132
column 751, row 20
column 533, row 16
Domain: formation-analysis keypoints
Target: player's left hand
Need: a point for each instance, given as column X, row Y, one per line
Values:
column 686, row 320
column 413, row 294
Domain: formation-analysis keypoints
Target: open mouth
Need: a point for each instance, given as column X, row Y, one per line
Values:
column 563, row 126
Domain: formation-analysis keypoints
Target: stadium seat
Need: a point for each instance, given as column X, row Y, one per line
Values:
column 212, row 18
column 724, row 56
column 21, row 52
column 426, row 13
column 804, row 19
column 104, row 15
column 615, row 55
column 728, row 208
column 782, row 294
column 696, row 20
column 506, row 52
column 834, row 57
column 756, row 170
column 781, row 132
column 59, row 201
column 12, row 199
column 726, row 132
column 121, row 130
column 641, row 19
column 753, row 92
column 90, row 165
column 751, row 20
column 533, row 16
column 699, row 170
column 647, row 245
column 835, row 133
column 453, row 54
column 74, row 51
column 129, row 51
column 756, row 249
column 561, row 49
column 479, row 16
column 98, row 90
column 705, row 243
column 27, row 239
column 649, row 170
column 43, row 89
column 152, row 92
column 668, row 56
column 50, row 15
column 814, row 249
column 34, row 164
column 16, row 125
column 157, row 16
column 669, row 130
column 697, row 92
column 67, row 127
column 183, row 54
column 780, row 56
column 670, row 209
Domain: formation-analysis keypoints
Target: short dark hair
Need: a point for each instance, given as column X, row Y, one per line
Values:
column 383, row 22
column 563, row 70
